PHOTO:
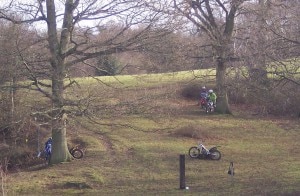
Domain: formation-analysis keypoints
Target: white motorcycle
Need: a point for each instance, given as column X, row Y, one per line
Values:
column 201, row 152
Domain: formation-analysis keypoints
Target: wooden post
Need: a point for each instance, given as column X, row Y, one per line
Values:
column 182, row 171
column 231, row 169
column 231, row 172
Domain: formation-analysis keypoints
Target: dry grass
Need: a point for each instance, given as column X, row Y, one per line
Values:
column 138, row 153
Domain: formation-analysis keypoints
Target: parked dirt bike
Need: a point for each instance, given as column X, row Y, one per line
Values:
column 76, row 152
column 201, row 152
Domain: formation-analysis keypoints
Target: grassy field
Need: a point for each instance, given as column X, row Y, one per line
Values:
column 135, row 151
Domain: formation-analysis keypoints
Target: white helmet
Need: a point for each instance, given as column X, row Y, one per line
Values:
column 203, row 87
column 210, row 91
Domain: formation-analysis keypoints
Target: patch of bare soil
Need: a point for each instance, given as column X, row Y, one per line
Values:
column 71, row 185
column 195, row 133
column 76, row 185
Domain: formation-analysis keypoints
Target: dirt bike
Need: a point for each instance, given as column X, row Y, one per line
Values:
column 201, row 152
column 203, row 102
column 209, row 107
column 76, row 152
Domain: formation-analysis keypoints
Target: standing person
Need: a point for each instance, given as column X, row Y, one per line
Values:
column 48, row 148
column 212, row 97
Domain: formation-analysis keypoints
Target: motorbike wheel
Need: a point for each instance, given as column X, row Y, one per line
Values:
column 194, row 152
column 206, row 108
column 215, row 155
column 76, row 153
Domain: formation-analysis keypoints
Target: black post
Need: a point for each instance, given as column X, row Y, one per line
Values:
column 182, row 171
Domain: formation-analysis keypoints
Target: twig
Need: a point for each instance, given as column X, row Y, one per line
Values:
column 2, row 180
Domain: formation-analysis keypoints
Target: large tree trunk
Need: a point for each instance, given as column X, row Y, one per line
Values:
column 223, row 51
column 222, row 100
column 60, row 151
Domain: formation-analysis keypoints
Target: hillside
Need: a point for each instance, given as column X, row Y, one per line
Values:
column 133, row 149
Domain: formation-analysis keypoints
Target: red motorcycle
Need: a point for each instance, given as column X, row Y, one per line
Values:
column 203, row 102
column 206, row 104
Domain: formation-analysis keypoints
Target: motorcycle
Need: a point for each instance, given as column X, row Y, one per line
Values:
column 201, row 152
column 76, row 152
column 209, row 107
column 206, row 104
column 203, row 102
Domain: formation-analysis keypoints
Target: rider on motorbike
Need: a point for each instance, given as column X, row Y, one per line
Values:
column 203, row 92
column 212, row 97
column 203, row 96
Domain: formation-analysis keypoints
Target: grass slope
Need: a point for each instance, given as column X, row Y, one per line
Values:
column 143, row 158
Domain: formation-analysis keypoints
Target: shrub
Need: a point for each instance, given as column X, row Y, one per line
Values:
column 107, row 66
column 192, row 91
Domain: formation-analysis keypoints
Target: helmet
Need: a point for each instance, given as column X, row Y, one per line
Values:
column 203, row 87
column 210, row 91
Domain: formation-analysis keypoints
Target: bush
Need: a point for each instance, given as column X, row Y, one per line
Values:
column 107, row 66
column 192, row 91
column 284, row 100
column 272, row 99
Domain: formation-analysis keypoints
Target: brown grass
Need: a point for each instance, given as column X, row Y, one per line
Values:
column 137, row 153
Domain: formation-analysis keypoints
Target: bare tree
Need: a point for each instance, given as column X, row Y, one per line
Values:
column 267, row 44
column 74, row 43
column 216, row 19
column 12, row 37
column 284, row 25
